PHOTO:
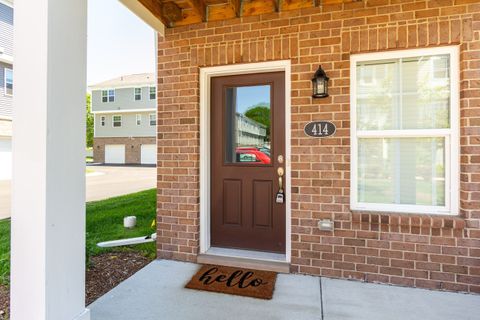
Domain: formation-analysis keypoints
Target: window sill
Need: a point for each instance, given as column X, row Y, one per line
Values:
column 419, row 220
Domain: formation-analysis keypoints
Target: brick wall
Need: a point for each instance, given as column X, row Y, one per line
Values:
column 133, row 148
column 414, row 250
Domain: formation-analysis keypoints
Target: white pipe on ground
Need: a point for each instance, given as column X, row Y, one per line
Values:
column 127, row 242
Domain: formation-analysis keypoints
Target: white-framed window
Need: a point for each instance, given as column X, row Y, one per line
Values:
column 103, row 121
column 8, row 82
column 108, row 95
column 117, row 121
column 153, row 93
column 405, row 131
column 137, row 94
column 138, row 119
column 152, row 119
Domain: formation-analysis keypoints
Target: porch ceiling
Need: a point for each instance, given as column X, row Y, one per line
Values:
column 175, row 13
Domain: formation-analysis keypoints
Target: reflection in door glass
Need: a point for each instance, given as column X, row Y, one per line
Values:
column 247, row 124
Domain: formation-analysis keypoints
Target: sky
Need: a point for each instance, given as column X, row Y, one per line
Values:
column 250, row 96
column 119, row 42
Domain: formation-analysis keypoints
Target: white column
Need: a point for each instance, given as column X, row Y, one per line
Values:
column 48, row 202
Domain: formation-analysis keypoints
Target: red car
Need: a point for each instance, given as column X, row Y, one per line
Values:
column 250, row 154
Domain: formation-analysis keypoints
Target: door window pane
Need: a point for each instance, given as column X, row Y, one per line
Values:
column 248, row 124
column 402, row 171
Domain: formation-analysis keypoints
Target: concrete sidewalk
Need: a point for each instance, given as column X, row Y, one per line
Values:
column 157, row 292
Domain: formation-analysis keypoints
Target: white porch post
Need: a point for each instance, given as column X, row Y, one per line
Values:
column 48, row 186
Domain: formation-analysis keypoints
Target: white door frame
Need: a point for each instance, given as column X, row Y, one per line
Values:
column 206, row 74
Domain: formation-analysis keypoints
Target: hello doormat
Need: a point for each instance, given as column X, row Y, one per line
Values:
column 238, row 281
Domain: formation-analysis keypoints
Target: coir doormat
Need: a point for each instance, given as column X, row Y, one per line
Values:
column 239, row 281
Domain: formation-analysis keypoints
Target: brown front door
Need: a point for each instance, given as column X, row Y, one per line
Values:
column 247, row 149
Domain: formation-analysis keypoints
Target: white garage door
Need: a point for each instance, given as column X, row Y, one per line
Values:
column 5, row 158
column 114, row 153
column 149, row 154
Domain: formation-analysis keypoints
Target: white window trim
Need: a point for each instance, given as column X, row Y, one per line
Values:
column 452, row 148
column 5, row 82
column 113, row 122
column 103, row 121
column 135, row 95
column 138, row 118
column 150, row 94
column 150, row 120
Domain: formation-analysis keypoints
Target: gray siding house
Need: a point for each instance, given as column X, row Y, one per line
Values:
column 125, row 120
column 6, row 87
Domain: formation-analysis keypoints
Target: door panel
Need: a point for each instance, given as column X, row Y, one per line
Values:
column 232, row 202
column 247, row 136
column 262, row 203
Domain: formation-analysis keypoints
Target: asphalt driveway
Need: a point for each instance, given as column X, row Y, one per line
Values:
column 103, row 182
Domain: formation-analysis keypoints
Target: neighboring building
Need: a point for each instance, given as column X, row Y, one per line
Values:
column 125, row 122
column 6, row 89
column 250, row 132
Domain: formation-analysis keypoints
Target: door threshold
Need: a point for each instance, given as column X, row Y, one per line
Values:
column 245, row 259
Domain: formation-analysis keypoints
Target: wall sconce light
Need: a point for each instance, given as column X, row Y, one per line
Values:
column 320, row 83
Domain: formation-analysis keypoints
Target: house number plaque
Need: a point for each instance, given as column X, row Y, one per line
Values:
column 320, row 129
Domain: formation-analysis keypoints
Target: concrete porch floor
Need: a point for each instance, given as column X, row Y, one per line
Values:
column 157, row 292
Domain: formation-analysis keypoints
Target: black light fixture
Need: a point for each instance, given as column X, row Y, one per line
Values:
column 320, row 83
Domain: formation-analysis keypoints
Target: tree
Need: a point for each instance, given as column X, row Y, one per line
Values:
column 261, row 114
column 89, row 121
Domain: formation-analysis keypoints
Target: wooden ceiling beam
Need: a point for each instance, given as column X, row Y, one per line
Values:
column 199, row 7
column 237, row 7
column 171, row 12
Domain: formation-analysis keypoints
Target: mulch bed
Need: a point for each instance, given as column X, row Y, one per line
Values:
column 105, row 272
column 4, row 302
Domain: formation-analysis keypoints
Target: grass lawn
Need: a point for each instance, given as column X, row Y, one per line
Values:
column 104, row 222
column 4, row 251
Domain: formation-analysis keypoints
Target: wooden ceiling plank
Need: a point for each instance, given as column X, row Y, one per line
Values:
column 221, row 12
column 257, row 7
column 287, row 5
column 154, row 7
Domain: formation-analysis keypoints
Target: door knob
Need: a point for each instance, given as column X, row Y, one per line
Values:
column 280, row 172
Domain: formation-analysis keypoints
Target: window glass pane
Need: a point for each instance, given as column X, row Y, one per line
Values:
column 247, row 124
column 402, row 171
column 8, row 81
column 153, row 93
column 377, row 88
column 117, row 121
column 426, row 93
column 153, row 119
column 111, row 95
column 411, row 93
